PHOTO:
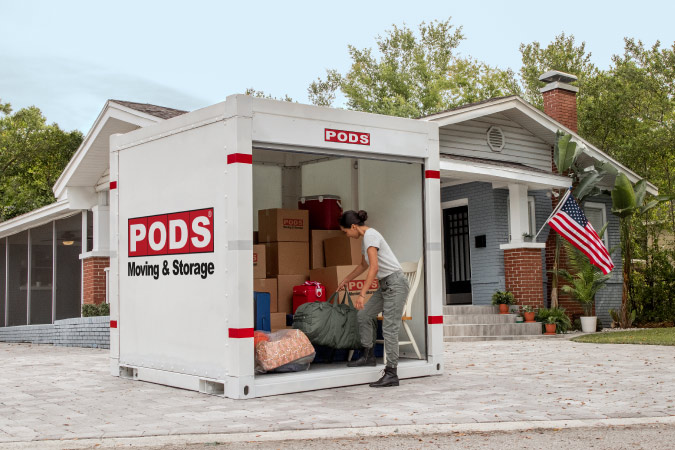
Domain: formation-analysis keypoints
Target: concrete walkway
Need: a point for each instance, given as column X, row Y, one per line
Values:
column 56, row 393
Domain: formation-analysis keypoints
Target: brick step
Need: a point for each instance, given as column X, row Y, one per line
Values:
column 500, row 338
column 496, row 329
column 467, row 319
column 470, row 309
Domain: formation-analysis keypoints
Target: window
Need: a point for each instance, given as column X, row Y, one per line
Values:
column 596, row 213
column 531, row 217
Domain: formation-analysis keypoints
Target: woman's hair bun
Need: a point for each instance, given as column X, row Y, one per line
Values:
column 363, row 215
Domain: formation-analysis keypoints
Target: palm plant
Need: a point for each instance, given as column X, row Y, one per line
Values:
column 585, row 280
column 627, row 202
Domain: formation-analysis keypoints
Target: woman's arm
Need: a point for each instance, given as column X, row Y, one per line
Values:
column 372, row 273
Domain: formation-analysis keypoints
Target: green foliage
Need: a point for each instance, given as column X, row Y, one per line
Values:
column 526, row 309
column 565, row 152
column 102, row 309
column 503, row 298
column 653, row 296
column 554, row 315
column 261, row 94
column 5, row 108
column 413, row 74
column 32, row 157
column 585, row 279
column 562, row 54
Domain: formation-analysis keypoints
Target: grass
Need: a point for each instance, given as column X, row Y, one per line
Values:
column 653, row 336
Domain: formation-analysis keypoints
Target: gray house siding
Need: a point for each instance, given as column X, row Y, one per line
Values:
column 470, row 139
column 610, row 297
column 486, row 215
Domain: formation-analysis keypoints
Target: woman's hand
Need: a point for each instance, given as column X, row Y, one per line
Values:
column 359, row 302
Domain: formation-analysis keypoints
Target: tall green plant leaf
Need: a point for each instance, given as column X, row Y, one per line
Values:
column 640, row 192
column 564, row 153
column 623, row 197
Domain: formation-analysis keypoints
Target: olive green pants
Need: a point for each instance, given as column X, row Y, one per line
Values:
column 389, row 300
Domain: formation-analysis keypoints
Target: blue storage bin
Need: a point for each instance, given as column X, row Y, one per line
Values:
column 261, row 311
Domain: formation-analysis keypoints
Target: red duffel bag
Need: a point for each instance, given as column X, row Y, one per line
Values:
column 311, row 291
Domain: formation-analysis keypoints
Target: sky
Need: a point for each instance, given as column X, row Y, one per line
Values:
column 68, row 57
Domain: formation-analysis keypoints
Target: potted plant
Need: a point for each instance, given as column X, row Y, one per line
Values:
column 528, row 313
column 550, row 325
column 585, row 280
column 503, row 299
column 556, row 315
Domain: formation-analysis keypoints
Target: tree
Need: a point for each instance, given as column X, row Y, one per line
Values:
column 261, row 94
column 562, row 54
column 413, row 74
column 32, row 157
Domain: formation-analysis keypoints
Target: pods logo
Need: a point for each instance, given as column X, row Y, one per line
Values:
column 172, row 234
column 347, row 137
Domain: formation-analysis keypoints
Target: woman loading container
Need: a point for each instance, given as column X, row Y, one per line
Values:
column 389, row 299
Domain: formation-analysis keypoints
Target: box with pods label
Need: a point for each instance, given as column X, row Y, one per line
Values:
column 259, row 265
column 332, row 276
column 283, row 225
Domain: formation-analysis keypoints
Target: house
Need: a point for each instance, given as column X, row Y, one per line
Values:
column 498, row 186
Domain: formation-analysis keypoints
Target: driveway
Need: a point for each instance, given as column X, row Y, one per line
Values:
column 56, row 393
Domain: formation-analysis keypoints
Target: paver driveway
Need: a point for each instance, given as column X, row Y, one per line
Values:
column 64, row 393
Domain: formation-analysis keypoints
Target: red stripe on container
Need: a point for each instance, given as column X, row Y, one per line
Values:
column 435, row 174
column 435, row 320
column 113, row 324
column 240, row 333
column 113, row 185
column 240, row 158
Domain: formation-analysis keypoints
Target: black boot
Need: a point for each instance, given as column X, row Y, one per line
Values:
column 367, row 359
column 389, row 378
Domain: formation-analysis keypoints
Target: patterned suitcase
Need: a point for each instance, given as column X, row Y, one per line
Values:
column 324, row 211
column 311, row 291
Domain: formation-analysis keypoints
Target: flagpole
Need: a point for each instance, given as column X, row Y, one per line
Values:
column 560, row 203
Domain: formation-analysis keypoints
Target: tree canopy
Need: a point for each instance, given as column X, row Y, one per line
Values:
column 32, row 156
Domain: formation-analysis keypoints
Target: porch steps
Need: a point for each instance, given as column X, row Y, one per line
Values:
column 484, row 323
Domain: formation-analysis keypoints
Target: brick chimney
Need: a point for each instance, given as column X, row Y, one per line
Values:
column 560, row 97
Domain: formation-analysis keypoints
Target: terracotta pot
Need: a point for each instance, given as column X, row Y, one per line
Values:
column 550, row 328
column 529, row 317
column 503, row 309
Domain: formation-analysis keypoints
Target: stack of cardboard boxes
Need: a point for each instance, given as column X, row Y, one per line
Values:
column 286, row 254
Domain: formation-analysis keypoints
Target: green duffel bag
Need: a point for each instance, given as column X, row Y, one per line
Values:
column 329, row 323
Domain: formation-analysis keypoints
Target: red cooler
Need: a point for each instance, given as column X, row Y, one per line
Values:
column 324, row 211
column 311, row 291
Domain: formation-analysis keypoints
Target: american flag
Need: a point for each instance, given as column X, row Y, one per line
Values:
column 571, row 223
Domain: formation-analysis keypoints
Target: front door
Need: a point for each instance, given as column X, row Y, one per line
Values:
column 457, row 256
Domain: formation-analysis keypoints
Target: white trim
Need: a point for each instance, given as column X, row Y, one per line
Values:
column 603, row 208
column 500, row 105
column 455, row 203
column 522, row 245
column 35, row 218
column 110, row 110
column 475, row 171
column 531, row 218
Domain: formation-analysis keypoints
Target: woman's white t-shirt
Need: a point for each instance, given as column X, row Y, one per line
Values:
column 387, row 262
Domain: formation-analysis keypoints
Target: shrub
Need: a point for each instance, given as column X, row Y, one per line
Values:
column 102, row 309
column 554, row 315
column 503, row 298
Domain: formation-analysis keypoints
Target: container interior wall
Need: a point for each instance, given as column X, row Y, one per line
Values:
column 391, row 193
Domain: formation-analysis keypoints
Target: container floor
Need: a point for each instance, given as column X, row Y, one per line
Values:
column 324, row 376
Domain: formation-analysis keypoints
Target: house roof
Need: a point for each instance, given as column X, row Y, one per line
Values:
column 534, row 120
column 154, row 110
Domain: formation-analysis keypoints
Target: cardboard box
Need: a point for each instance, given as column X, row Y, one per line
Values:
column 285, row 285
column 342, row 251
column 316, row 255
column 287, row 258
column 283, row 225
column 268, row 285
column 331, row 276
column 278, row 321
column 259, row 266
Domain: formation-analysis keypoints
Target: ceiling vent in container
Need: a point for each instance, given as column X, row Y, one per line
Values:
column 495, row 139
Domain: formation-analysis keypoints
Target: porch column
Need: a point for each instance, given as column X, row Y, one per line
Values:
column 523, row 268
column 97, row 260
